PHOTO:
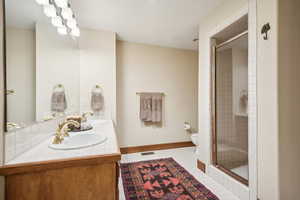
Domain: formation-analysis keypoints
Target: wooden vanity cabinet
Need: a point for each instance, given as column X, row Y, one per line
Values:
column 86, row 178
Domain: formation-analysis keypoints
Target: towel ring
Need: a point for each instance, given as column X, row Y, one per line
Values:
column 97, row 88
column 59, row 86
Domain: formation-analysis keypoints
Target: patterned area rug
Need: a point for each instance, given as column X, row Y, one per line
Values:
column 161, row 179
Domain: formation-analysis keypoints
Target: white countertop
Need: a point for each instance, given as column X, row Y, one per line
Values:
column 42, row 152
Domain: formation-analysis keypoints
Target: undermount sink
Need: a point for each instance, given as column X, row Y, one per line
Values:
column 79, row 141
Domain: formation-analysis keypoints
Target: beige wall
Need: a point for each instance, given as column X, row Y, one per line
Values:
column 289, row 98
column 20, row 59
column 146, row 68
column 278, row 100
column 267, row 101
column 98, row 66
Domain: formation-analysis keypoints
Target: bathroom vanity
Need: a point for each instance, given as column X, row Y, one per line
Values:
column 79, row 174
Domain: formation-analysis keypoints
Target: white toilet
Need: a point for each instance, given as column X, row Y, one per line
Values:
column 194, row 138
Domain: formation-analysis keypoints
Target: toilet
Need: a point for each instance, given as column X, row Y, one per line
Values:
column 194, row 138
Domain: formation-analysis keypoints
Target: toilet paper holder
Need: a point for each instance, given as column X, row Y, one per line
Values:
column 187, row 126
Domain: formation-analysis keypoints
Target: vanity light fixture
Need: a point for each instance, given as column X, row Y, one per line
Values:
column 50, row 10
column 62, row 3
column 62, row 30
column 72, row 23
column 61, row 15
column 67, row 13
column 75, row 32
column 57, row 21
column 42, row 2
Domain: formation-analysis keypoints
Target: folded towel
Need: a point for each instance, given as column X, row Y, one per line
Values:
column 58, row 101
column 97, row 101
column 151, row 107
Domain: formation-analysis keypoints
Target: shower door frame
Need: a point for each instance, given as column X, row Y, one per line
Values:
column 214, row 108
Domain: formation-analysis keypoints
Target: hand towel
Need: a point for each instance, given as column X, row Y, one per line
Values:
column 151, row 107
column 58, row 101
column 156, row 107
column 97, row 101
column 146, row 107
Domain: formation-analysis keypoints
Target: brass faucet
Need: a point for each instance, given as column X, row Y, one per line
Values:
column 85, row 114
column 62, row 131
column 80, row 118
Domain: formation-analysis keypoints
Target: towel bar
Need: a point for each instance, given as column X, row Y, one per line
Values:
column 138, row 93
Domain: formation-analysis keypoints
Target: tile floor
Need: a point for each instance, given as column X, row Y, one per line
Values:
column 187, row 158
column 243, row 171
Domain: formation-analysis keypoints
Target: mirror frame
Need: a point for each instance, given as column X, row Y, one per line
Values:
column 4, row 66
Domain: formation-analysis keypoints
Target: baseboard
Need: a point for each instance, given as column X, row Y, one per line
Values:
column 201, row 166
column 126, row 150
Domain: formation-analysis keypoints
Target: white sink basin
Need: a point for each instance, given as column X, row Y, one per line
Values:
column 79, row 141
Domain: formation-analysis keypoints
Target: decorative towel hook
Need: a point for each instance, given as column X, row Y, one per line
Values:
column 265, row 29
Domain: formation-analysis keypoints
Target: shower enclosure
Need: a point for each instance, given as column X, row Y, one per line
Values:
column 230, row 106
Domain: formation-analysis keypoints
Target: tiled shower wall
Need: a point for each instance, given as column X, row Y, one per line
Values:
column 21, row 140
column 232, row 129
column 224, row 102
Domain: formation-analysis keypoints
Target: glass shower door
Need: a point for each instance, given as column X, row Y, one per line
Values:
column 231, row 108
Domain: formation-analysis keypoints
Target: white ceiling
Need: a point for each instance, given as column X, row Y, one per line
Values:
column 170, row 23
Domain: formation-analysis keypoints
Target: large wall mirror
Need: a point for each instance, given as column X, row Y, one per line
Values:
column 42, row 66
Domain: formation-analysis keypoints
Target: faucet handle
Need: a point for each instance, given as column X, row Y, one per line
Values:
column 85, row 114
column 65, row 125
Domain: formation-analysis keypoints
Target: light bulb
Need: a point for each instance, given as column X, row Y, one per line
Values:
column 61, row 3
column 57, row 21
column 72, row 23
column 62, row 30
column 67, row 13
column 42, row 2
column 75, row 32
column 50, row 10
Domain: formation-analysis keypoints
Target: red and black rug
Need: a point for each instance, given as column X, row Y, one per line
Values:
column 161, row 179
